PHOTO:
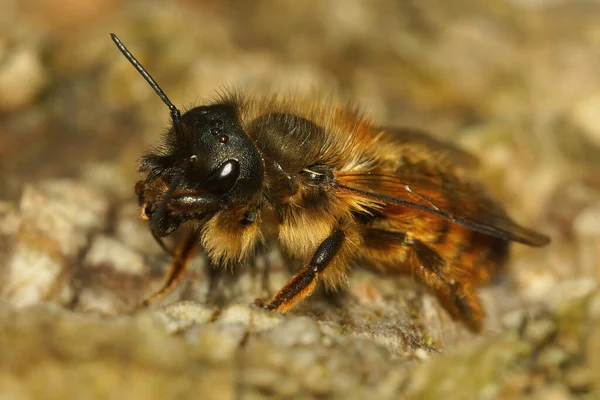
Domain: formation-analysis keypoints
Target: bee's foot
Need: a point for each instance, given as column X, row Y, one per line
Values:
column 260, row 303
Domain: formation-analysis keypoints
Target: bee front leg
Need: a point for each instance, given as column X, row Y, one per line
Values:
column 195, row 202
column 182, row 203
column 304, row 282
column 177, row 269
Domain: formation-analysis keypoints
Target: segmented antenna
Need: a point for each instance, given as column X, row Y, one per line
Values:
column 175, row 113
column 176, row 117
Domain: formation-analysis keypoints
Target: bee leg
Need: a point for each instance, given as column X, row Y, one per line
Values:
column 214, row 292
column 262, row 254
column 265, row 282
column 464, row 304
column 265, row 271
column 452, row 291
column 177, row 269
column 456, row 297
column 425, row 264
column 304, row 282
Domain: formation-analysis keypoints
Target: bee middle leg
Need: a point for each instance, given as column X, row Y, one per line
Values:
column 263, row 274
column 304, row 282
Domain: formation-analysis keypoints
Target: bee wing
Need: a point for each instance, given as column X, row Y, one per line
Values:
column 462, row 202
column 453, row 152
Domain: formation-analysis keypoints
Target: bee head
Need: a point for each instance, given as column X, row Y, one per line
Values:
column 208, row 151
column 205, row 161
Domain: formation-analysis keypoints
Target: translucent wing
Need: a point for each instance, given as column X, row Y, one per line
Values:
column 461, row 201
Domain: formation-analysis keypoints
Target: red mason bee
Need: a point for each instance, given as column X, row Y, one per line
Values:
column 339, row 190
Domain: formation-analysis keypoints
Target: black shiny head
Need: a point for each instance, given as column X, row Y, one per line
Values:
column 205, row 162
column 210, row 153
column 213, row 152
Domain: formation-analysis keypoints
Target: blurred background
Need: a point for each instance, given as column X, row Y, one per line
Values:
column 515, row 82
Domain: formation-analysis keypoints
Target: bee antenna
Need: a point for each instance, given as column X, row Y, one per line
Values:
column 175, row 113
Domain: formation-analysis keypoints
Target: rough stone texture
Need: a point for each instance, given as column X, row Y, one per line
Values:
column 515, row 82
column 55, row 223
column 43, row 356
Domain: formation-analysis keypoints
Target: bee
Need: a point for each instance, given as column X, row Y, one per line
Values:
column 337, row 190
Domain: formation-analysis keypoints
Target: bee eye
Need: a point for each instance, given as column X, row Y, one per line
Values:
column 223, row 178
